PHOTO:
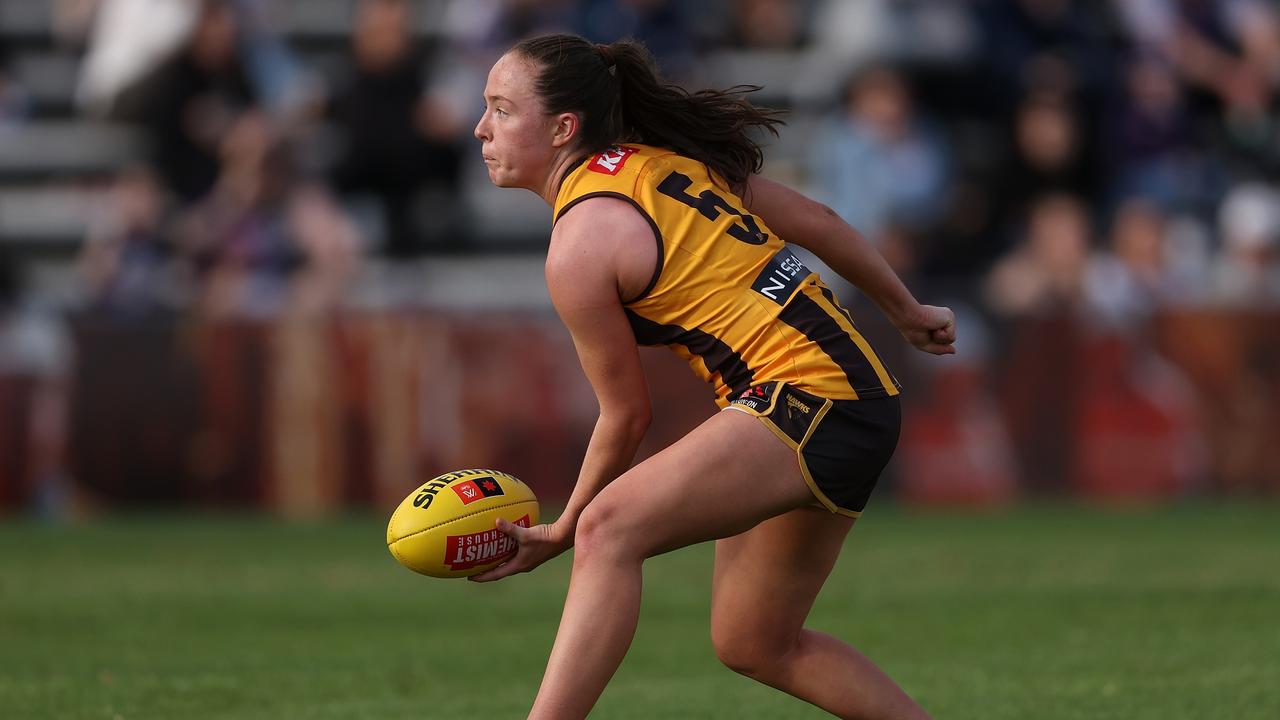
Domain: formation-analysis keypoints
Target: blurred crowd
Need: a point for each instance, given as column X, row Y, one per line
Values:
column 1023, row 153
column 1098, row 159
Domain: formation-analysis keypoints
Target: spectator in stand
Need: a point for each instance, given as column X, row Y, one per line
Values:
column 1043, row 45
column 1050, row 155
column 1227, row 52
column 1036, row 292
column 880, row 165
column 188, row 103
column 768, row 24
column 1247, row 273
column 329, row 241
column 262, row 229
column 125, row 259
column 1128, row 283
column 397, row 139
column 1153, row 148
column 1045, row 272
column 664, row 26
column 233, row 240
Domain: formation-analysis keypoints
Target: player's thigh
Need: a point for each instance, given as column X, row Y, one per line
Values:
column 767, row 578
column 721, row 479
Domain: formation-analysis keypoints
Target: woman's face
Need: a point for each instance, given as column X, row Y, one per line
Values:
column 517, row 135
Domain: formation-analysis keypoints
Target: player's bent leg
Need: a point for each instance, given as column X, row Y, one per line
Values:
column 765, row 583
column 719, row 480
column 767, row 579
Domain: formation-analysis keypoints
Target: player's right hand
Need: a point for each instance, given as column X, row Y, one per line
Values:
column 931, row 329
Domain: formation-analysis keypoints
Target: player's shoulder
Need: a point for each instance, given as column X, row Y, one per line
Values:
column 598, row 220
column 603, row 236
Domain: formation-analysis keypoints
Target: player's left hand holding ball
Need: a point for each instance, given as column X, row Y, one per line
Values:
column 535, row 545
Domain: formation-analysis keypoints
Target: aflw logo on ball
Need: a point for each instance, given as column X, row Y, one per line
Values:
column 478, row 489
column 462, row 552
column 610, row 161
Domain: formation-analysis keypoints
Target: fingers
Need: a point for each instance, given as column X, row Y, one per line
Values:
column 512, row 566
column 935, row 333
column 511, row 530
column 509, row 567
column 945, row 335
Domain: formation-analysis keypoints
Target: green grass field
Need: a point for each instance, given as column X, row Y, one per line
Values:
column 1037, row 613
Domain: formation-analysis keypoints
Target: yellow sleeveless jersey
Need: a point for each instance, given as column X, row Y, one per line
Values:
column 727, row 295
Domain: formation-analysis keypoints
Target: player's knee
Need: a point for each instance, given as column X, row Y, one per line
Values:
column 748, row 653
column 599, row 533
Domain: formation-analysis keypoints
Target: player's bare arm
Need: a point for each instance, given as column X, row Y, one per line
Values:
column 817, row 228
column 589, row 266
column 597, row 255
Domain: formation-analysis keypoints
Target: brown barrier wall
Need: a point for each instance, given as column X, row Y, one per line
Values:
column 307, row 414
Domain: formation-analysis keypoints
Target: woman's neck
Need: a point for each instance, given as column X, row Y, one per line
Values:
column 563, row 165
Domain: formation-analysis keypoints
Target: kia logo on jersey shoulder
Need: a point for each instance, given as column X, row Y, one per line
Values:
column 610, row 161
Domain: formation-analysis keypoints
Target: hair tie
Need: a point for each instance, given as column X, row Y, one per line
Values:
column 606, row 56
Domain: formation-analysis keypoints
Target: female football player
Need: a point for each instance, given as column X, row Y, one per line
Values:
column 664, row 234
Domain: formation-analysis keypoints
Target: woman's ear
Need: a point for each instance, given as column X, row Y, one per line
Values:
column 566, row 130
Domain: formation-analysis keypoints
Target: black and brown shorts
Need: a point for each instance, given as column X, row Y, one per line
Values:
column 842, row 445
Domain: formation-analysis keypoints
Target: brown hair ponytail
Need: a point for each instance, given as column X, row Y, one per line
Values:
column 617, row 90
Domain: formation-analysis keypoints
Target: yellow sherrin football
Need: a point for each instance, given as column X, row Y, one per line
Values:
column 445, row 528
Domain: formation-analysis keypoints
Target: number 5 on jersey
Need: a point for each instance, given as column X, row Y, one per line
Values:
column 710, row 205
